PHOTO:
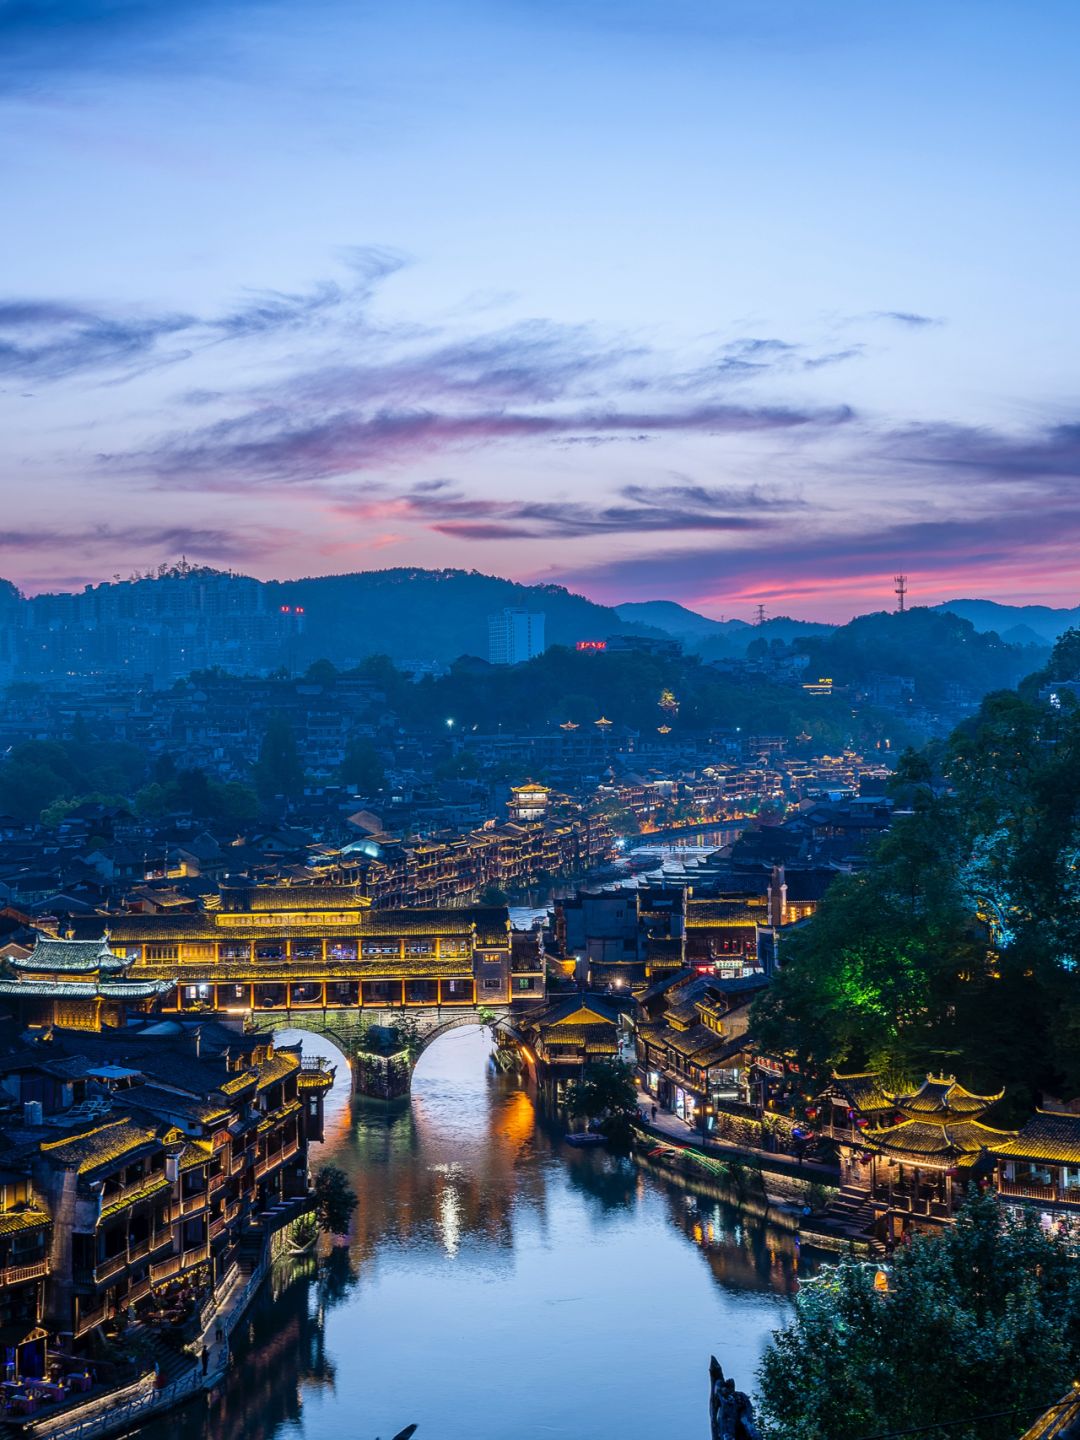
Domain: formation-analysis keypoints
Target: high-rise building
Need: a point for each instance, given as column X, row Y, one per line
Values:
column 514, row 636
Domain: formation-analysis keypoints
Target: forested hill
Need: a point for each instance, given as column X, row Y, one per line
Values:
column 936, row 650
column 431, row 614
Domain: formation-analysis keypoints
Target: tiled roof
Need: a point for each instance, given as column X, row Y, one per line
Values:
column 203, row 1110
column 296, row 897
column 490, row 924
column 935, row 1147
column 941, row 1095
column 69, row 957
column 863, row 1092
column 592, row 1010
column 86, row 989
column 12, row 1221
column 712, row 914
column 195, row 1154
column 105, row 1145
column 155, row 1185
column 1048, row 1137
column 280, row 1064
column 1060, row 1422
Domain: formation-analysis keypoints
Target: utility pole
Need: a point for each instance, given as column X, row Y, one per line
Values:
column 900, row 586
column 761, row 615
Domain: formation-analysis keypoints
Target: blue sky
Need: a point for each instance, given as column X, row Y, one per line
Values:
column 721, row 302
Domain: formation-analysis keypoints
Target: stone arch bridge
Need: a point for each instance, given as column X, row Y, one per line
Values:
column 383, row 1046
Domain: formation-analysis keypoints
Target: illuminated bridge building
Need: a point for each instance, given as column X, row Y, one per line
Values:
column 315, row 948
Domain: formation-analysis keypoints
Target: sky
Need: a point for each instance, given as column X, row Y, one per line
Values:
column 726, row 302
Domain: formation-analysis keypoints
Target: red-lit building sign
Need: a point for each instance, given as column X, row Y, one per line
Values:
column 592, row 644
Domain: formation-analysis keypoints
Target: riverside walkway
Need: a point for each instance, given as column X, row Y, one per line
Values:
column 669, row 1127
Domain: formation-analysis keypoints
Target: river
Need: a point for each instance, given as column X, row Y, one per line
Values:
column 497, row 1284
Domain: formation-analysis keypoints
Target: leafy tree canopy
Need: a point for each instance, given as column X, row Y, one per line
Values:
column 982, row 1318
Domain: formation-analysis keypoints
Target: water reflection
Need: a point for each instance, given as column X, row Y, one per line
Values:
column 499, row 1283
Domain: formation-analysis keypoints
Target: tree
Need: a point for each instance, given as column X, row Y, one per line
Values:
column 606, row 1093
column 983, row 1318
column 363, row 767
column 278, row 770
column 335, row 1200
column 321, row 672
column 877, row 975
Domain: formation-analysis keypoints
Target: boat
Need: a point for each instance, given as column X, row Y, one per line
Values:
column 585, row 1137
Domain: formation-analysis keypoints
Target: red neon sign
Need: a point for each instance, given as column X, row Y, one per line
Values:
column 592, row 644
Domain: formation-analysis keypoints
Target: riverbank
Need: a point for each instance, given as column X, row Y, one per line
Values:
column 791, row 1194
column 669, row 1127
column 115, row 1411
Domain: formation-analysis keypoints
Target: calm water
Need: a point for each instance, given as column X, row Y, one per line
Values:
column 498, row 1284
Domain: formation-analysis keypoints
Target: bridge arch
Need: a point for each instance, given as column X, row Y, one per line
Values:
column 384, row 1075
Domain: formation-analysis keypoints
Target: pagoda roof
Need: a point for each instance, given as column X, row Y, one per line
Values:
column 1048, row 1137
column 85, row 989
column 931, row 1146
column 942, row 1095
column 69, row 957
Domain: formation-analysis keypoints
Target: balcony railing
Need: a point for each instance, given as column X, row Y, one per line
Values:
column 1051, row 1194
column 137, row 1291
column 165, row 1269
column 192, row 1204
column 89, row 1319
column 19, row 1274
column 106, row 1269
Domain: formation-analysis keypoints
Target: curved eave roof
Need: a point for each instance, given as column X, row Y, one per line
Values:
column 85, row 990
column 919, row 1142
column 37, row 964
column 862, row 1091
column 942, row 1095
column 68, row 957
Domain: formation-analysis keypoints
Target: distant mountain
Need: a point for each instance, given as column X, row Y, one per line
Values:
column 1019, row 624
column 675, row 619
column 714, row 639
column 430, row 614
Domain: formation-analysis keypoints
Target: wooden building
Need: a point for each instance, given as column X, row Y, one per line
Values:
column 296, row 947
column 1042, row 1163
